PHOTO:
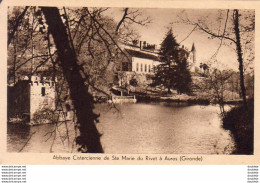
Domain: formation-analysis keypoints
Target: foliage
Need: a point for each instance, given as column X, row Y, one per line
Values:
column 45, row 115
column 183, row 82
column 233, row 28
column 215, row 86
column 240, row 121
column 133, row 82
column 25, row 55
column 79, row 46
column 173, row 71
column 169, row 47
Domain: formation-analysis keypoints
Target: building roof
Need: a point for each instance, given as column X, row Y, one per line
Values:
column 193, row 47
column 142, row 54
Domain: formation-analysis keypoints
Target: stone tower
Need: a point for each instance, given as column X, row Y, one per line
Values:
column 192, row 59
column 193, row 51
column 42, row 94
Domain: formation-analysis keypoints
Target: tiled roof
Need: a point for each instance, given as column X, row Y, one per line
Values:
column 141, row 54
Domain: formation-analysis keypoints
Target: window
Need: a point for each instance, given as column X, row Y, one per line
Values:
column 137, row 65
column 149, row 70
column 145, row 68
column 141, row 68
column 43, row 91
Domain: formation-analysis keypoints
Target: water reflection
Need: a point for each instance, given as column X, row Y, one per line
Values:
column 17, row 136
column 42, row 138
column 139, row 128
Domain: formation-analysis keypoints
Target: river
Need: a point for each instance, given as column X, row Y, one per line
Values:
column 135, row 128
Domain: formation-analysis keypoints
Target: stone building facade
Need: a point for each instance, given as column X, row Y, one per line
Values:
column 143, row 59
column 32, row 100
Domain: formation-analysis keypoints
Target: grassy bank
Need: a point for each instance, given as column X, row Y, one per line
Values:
column 191, row 100
column 183, row 98
column 241, row 123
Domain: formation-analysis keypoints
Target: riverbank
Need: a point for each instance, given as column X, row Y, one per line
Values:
column 183, row 98
column 147, row 98
column 241, row 123
column 200, row 98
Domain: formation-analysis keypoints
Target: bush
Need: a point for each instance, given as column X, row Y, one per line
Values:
column 240, row 121
column 133, row 82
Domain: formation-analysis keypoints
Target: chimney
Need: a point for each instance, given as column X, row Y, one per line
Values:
column 144, row 45
column 141, row 45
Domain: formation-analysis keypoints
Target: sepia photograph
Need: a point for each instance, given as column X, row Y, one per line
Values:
column 124, row 80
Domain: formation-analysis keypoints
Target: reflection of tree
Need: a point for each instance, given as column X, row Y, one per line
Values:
column 21, row 132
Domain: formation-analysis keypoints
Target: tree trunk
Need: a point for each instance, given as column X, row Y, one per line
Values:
column 15, row 56
column 89, row 139
column 240, row 58
column 169, row 79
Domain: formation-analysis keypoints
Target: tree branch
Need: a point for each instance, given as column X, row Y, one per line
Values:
column 215, row 35
column 221, row 40
column 18, row 21
column 122, row 20
column 107, row 34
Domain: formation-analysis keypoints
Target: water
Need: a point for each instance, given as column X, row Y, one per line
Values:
column 135, row 128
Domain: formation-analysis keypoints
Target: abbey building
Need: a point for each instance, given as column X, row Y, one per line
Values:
column 145, row 57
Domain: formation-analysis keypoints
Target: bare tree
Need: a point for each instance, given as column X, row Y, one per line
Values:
column 233, row 27
column 85, row 55
column 131, row 16
column 215, row 85
column 89, row 139
column 15, row 25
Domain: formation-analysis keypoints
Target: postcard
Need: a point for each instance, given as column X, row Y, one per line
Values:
column 164, row 82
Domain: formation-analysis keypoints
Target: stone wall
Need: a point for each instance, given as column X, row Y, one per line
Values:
column 42, row 98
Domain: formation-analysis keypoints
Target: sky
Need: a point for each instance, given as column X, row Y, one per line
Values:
column 162, row 19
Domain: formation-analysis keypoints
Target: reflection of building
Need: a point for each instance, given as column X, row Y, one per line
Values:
column 30, row 97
